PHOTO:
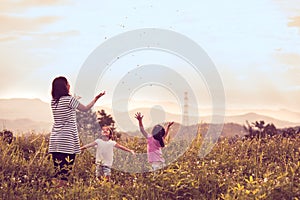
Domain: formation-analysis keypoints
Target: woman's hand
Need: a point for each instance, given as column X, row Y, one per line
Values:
column 84, row 108
column 99, row 95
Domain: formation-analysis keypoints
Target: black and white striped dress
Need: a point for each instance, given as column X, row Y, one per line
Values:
column 64, row 136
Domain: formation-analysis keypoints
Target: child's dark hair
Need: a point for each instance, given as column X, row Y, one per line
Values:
column 158, row 133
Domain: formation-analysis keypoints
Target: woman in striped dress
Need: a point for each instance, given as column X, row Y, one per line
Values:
column 64, row 139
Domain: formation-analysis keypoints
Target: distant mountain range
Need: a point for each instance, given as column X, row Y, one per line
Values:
column 33, row 114
column 252, row 117
column 157, row 115
column 22, row 115
column 33, row 109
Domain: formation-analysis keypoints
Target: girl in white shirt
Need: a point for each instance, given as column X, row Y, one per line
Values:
column 104, row 152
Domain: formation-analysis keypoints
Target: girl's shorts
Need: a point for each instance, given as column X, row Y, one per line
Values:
column 102, row 170
column 157, row 165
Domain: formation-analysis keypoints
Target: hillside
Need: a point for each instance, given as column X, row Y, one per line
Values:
column 33, row 109
column 252, row 117
column 229, row 130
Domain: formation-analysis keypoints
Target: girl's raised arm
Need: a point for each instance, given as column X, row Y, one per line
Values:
column 166, row 136
column 139, row 117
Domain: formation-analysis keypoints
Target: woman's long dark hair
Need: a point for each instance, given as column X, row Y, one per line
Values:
column 158, row 133
column 59, row 88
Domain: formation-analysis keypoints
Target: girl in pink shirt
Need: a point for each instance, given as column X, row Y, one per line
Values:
column 155, row 142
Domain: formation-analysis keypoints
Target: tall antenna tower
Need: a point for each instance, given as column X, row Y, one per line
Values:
column 186, row 110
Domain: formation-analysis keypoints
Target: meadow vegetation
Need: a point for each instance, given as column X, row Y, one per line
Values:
column 265, row 167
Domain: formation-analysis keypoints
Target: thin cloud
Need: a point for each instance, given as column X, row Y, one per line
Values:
column 16, row 27
column 295, row 22
column 8, row 39
column 291, row 8
column 23, row 43
column 252, row 87
column 61, row 34
column 290, row 59
column 13, row 24
column 40, row 38
column 288, row 6
column 19, row 6
column 15, row 65
column 290, row 74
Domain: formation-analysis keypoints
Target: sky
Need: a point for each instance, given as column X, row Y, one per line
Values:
column 254, row 45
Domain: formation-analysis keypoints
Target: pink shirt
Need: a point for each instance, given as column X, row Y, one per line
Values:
column 154, row 150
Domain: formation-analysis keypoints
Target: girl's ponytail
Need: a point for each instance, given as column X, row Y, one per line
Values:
column 158, row 133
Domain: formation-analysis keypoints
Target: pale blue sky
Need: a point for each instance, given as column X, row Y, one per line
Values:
column 255, row 44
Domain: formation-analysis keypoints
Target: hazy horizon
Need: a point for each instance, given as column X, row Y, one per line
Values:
column 154, row 103
column 39, row 109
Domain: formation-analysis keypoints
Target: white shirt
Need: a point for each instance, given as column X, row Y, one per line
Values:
column 105, row 152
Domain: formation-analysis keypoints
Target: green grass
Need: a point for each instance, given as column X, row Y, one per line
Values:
column 246, row 169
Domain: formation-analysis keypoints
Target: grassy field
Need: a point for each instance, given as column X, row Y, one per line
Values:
column 241, row 169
